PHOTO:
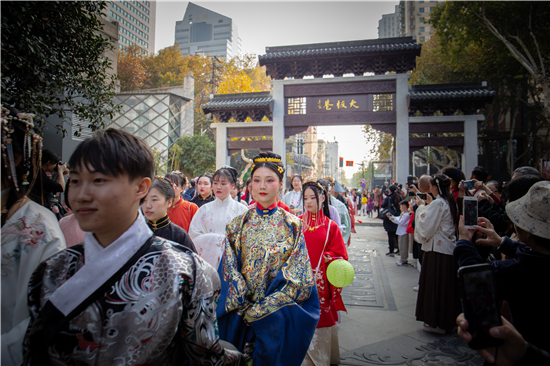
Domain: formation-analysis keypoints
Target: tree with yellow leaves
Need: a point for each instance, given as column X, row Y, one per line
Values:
column 212, row 75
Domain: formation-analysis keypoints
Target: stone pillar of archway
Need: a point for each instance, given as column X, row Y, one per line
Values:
column 221, row 144
column 279, row 143
column 469, row 157
column 402, row 128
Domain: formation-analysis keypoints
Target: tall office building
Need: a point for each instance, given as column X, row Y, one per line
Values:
column 388, row 26
column 413, row 16
column 136, row 23
column 202, row 30
column 332, row 160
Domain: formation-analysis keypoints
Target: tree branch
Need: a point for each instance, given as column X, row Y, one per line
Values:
column 515, row 52
column 543, row 68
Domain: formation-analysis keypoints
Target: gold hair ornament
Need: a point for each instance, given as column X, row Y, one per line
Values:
column 271, row 160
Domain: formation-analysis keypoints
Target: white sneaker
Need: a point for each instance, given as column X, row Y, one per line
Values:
column 436, row 330
column 415, row 288
column 399, row 263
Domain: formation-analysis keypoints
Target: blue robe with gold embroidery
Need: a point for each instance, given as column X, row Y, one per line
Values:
column 268, row 305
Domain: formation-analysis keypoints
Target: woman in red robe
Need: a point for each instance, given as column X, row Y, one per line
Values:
column 324, row 244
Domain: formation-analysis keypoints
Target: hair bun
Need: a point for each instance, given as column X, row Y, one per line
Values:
column 271, row 160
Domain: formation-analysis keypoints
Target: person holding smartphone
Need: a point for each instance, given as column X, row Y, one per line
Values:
column 519, row 279
column 51, row 163
column 438, row 302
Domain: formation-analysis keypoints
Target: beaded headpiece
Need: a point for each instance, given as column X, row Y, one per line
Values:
column 315, row 183
column 32, row 148
column 263, row 160
column 174, row 185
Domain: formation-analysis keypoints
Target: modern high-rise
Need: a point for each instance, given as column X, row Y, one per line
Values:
column 413, row 16
column 332, row 160
column 388, row 26
column 204, row 31
column 136, row 23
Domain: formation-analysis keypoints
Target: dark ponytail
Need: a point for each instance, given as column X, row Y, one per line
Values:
column 443, row 184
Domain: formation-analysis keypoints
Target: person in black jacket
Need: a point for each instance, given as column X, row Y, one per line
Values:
column 155, row 208
column 391, row 203
column 51, row 164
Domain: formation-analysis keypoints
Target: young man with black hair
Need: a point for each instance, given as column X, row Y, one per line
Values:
column 124, row 296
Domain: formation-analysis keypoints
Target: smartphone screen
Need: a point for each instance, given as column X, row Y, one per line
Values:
column 410, row 180
column 470, row 212
column 480, row 304
column 412, row 194
column 469, row 184
column 422, row 196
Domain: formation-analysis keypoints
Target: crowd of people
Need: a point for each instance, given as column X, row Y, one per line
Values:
column 425, row 219
column 132, row 268
column 105, row 263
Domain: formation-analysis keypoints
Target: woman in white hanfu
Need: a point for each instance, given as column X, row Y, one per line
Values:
column 207, row 229
column 293, row 198
column 30, row 232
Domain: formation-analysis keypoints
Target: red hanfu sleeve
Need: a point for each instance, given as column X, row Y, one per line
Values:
column 336, row 247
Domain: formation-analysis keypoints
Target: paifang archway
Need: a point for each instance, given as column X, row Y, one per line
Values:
column 383, row 100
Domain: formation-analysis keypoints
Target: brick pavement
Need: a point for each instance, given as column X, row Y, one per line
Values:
column 380, row 327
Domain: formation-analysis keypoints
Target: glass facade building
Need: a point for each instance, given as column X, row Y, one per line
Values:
column 204, row 31
column 158, row 117
column 136, row 23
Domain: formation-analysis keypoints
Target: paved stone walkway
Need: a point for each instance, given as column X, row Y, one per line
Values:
column 380, row 327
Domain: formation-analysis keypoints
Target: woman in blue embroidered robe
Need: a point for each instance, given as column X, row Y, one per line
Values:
column 268, row 306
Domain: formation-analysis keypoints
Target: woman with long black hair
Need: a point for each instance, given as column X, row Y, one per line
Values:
column 324, row 244
column 438, row 302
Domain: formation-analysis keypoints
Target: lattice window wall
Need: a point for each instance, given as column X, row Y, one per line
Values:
column 382, row 102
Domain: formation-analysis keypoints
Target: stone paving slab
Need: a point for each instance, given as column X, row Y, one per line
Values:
column 380, row 327
column 408, row 350
column 370, row 286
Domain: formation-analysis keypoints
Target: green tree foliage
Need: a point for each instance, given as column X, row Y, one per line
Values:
column 161, row 164
column 52, row 59
column 504, row 43
column 194, row 155
column 509, row 45
column 438, row 65
column 381, row 143
column 212, row 75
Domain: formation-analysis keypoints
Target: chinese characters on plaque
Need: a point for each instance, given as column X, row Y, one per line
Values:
column 329, row 104
column 337, row 104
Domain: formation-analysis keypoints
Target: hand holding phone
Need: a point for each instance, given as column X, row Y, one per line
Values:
column 463, row 233
column 488, row 229
column 470, row 211
column 468, row 184
column 480, row 304
column 512, row 350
